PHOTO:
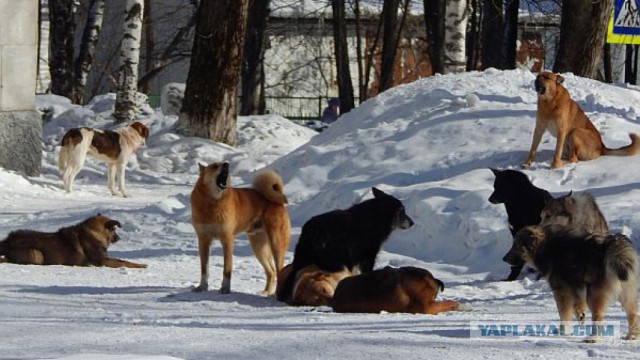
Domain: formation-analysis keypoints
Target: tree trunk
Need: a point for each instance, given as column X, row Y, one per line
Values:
column 510, row 35
column 389, row 43
column 631, row 64
column 253, row 62
column 628, row 65
column 582, row 34
column 209, row 107
column 341, row 51
column 434, row 11
column 61, row 37
column 362, row 91
column 474, row 46
column 455, row 36
column 87, row 52
column 127, row 87
column 149, row 45
column 608, row 67
column 370, row 59
column 635, row 65
column 492, row 33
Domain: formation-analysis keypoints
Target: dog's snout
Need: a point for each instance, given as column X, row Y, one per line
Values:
column 539, row 85
column 512, row 258
column 405, row 221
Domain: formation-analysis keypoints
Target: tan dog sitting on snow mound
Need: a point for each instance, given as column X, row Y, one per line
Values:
column 219, row 211
column 563, row 118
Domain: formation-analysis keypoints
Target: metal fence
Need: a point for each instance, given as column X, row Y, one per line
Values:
column 297, row 108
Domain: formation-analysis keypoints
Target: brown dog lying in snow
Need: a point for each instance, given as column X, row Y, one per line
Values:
column 395, row 290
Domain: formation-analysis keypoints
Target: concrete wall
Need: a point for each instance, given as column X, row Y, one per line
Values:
column 20, row 124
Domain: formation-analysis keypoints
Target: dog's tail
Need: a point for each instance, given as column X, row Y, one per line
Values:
column 69, row 140
column 621, row 259
column 63, row 158
column 630, row 149
column 269, row 184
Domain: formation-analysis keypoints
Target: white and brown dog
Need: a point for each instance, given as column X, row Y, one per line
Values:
column 113, row 147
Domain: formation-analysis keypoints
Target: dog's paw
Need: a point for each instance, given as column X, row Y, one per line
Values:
column 224, row 290
column 525, row 165
column 199, row 288
column 591, row 339
column 465, row 307
column 631, row 336
column 557, row 164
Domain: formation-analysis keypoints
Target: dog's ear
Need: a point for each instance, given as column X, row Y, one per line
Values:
column 495, row 171
column 569, row 203
column 111, row 224
column 201, row 167
column 559, row 79
column 377, row 192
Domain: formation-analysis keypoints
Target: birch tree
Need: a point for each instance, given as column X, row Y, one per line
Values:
column 209, row 107
column 87, row 52
column 127, row 85
column 456, row 16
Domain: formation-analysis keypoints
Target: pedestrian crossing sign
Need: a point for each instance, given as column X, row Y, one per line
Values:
column 624, row 24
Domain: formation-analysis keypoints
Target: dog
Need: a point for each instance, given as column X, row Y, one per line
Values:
column 578, row 212
column 565, row 120
column 348, row 238
column 522, row 200
column 582, row 270
column 394, row 290
column 113, row 147
column 313, row 286
column 83, row 244
column 219, row 211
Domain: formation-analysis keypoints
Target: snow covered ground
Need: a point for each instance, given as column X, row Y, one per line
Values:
column 429, row 143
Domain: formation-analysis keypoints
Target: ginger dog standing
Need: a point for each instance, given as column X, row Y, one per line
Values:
column 563, row 118
column 219, row 211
